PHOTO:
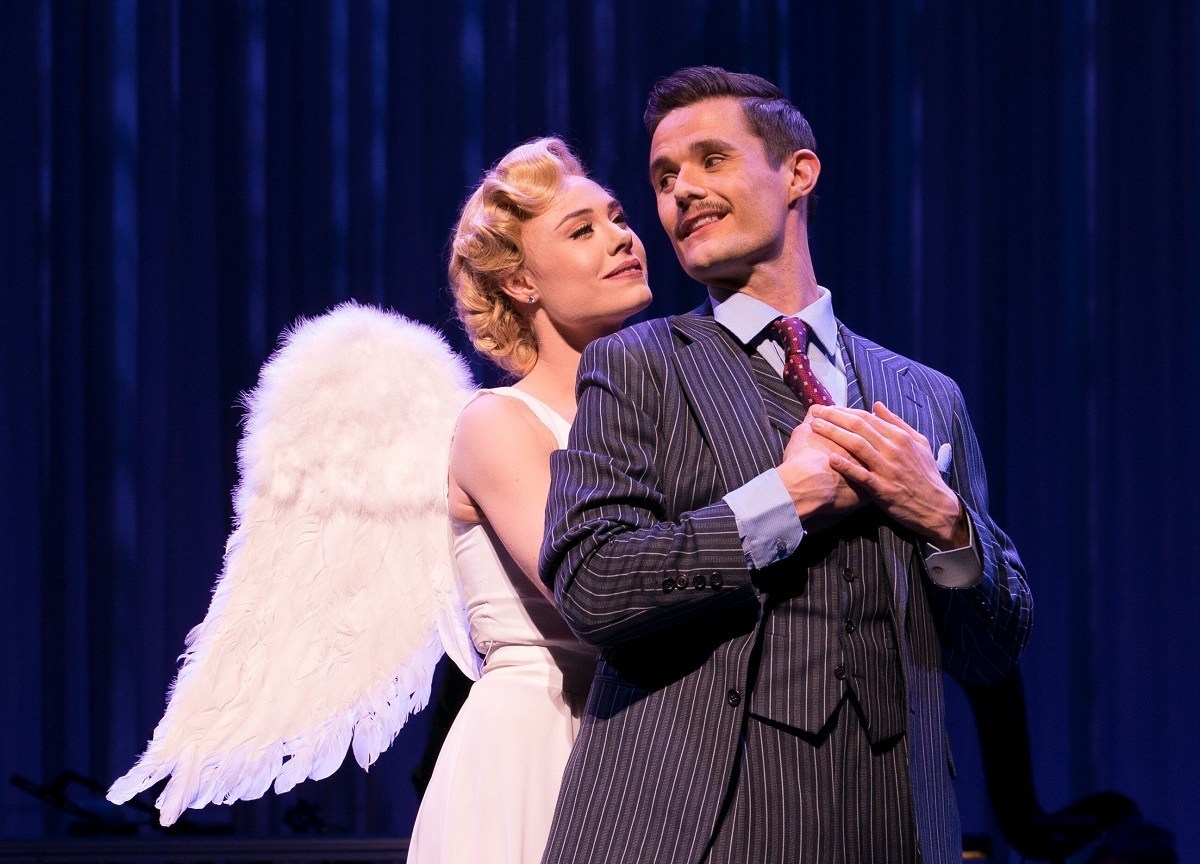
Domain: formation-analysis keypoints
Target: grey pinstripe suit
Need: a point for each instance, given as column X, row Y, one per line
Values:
column 646, row 562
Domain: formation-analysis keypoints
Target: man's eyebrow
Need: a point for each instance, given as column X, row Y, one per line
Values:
column 659, row 164
column 696, row 148
column 708, row 145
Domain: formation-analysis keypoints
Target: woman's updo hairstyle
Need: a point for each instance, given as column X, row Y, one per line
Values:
column 486, row 248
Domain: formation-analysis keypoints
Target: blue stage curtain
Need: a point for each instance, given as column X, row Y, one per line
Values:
column 1009, row 193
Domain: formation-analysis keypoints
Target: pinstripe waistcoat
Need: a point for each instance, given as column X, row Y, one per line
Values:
column 646, row 562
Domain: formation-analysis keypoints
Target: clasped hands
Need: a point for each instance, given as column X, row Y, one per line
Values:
column 839, row 459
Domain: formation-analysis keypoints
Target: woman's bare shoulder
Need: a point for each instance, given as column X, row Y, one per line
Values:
column 498, row 434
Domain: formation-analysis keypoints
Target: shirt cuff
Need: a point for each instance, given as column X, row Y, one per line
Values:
column 955, row 568
column 766, row 519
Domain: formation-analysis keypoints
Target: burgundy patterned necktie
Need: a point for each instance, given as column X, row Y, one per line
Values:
column 792, row 334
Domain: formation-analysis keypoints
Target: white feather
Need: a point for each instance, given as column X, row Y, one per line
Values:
column 337, row 593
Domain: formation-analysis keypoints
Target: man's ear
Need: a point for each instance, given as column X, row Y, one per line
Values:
column 521, row 287
column 803, row 170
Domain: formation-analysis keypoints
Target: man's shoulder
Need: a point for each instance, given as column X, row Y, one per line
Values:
column 650, row 330
column 654, row 336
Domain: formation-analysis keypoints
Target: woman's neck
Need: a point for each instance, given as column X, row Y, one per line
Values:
column 552, row 378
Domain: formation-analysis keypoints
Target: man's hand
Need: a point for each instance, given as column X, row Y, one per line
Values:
column 893, row 464
column 820, row 493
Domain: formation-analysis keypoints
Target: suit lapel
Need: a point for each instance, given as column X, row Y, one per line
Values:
column 784, row 410
column 883, row 377
column 719, row 385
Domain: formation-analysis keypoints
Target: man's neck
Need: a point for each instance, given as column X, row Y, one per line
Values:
column 786, row 295
column 785, row 282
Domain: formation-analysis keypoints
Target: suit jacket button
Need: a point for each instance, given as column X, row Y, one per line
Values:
column 681, row 581
column 840, row 673
column 668, row 585
column 698, row 581
column 850, row 628
column 715, row 580
column 848, row 574
column 733, row 697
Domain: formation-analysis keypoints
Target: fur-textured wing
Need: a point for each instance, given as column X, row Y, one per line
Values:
column 337, row 594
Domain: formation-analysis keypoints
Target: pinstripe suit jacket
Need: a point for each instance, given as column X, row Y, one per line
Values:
column 670, row 419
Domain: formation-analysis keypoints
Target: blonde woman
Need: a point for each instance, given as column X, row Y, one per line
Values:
column 543, row 262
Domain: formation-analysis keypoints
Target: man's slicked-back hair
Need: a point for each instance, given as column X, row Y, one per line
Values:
column 769, row 113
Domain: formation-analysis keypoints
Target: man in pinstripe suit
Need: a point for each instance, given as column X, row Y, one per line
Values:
column 776, row 579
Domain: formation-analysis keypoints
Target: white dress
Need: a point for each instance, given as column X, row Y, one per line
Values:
column 492, row 793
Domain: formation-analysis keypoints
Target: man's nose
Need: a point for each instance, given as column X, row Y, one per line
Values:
column 685, row 190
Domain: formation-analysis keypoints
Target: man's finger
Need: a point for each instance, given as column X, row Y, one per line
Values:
column 898, row 423
column 886, row 413
column 853, row 443
column 854, row 473
column 856, row 421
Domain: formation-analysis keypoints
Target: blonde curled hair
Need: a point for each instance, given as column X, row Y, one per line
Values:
column 486, row 248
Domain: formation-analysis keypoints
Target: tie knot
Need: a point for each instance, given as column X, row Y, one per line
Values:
column 791, row 333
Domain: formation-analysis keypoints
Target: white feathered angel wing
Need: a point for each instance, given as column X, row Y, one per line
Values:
column 337, row 597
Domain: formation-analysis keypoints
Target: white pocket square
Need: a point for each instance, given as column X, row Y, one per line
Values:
column 945, row 456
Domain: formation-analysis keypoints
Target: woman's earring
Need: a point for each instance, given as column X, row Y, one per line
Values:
column 530, row 299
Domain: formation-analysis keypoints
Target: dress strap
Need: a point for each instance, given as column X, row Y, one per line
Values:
column 555, row 422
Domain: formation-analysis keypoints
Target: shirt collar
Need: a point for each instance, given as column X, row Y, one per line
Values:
column 746, row 317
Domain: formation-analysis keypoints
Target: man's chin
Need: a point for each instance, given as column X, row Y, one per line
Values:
column 696, row 262
column 707, row 269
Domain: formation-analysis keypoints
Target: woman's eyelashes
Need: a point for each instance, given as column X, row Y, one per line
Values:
column 587, row 228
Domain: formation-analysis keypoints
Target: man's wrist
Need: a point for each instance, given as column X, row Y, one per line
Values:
column 951, row 530
column 805, row 497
